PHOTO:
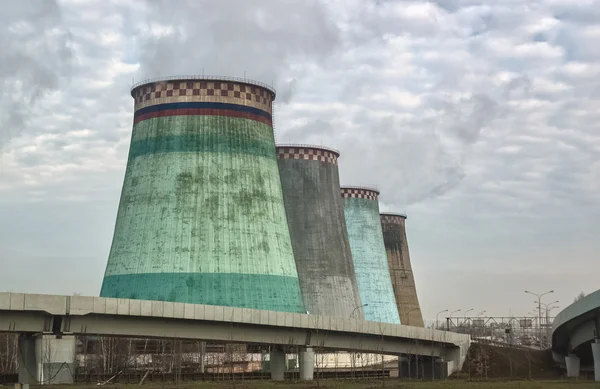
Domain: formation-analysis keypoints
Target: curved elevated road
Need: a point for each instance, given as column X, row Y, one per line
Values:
column 575, row 336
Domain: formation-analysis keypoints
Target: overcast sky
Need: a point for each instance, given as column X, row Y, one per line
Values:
column 480, row 119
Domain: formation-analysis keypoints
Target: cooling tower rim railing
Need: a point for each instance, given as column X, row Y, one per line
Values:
column 204, row 78
column 369, row 188
column 399, row 214
column 307, row 146
column 359, row 192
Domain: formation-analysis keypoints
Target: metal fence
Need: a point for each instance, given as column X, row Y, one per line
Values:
column 524, row 331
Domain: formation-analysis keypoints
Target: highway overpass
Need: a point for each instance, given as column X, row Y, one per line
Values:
column 576, row 336
column 35, row 315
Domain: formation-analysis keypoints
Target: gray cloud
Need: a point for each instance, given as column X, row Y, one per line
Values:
column 479, row 118
column 35, row 57
column 259, row 40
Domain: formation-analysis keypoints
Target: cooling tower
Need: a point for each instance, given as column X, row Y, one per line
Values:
column 201, row 217
column 361, row 208
column 315, row 215
column 403, row 281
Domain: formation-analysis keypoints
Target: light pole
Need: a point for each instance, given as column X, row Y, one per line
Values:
column 408, row 314
column 451, row 313
column 437, row 325
column 481, row 313
column 465, row 315
column 353, row 355
column 547, row 305
column 546, row 308
column 354, row 310
column 539, row 296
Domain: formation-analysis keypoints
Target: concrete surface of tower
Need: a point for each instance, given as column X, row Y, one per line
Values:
column 201, row 217
column 315, row 215
column 403, row 281
column 361, row 209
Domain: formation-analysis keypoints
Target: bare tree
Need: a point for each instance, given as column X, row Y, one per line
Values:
column 9, row 344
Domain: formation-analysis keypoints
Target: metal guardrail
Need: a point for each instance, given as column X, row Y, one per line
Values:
column 205, row 78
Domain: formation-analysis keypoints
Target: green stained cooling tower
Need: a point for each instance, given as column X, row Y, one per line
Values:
column 361, row 209
column 201, row 217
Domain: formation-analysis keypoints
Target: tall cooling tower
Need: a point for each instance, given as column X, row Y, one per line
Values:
column 315, row 215
column 403, row 281
column 201, row 217
column 361, row 208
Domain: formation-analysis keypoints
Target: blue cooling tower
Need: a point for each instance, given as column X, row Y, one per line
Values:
column 361, row 210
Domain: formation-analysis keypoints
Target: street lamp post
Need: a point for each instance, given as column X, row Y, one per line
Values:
column 539, row 296
column 408, row 314
column 450, row 316
column 481, row 313
column 354, row 310
column 465, row 315
column 437, row 325
column 353, row 355
column 546, row 309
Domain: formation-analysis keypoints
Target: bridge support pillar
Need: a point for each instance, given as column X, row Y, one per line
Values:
column 421, row 367
column 202, row 356
column 454, row 359
column 572, row 362
column 46, row 359
column 409, row 367
column 277, row 362
column 596, row 353
column 306, row 360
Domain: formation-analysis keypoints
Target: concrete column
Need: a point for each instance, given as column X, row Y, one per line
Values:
column 572, row 362
column 402, row 369
column 277, row 362
column 454, row 358
column 408, row 367
column 306, row 361
column 596, row 353
column 202, row 356
column 46, row 359
column 28, row 370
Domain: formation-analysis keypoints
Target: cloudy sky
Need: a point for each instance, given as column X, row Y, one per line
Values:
column 477, row 118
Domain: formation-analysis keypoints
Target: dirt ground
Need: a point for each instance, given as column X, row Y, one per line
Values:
column 345, row 384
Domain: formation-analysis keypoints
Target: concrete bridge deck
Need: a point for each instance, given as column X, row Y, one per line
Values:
column 79, row 315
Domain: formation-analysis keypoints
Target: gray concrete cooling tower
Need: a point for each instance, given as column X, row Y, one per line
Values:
column 361, row 209
column 315, row 215
column 403, row 281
